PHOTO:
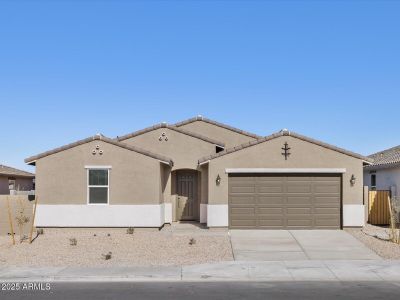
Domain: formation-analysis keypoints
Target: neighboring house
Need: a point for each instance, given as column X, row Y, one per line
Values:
column 12, row 179
column 384, row 173
column 200, row 170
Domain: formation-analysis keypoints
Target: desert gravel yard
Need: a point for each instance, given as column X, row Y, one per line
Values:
column 372, row 237
column 140, row 248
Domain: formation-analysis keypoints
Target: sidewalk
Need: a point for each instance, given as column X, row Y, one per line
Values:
column 355, row 270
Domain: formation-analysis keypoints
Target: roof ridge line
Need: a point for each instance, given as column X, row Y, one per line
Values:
column 172, row 127
column 284, row 132
column 216, row 123
column 103, row 138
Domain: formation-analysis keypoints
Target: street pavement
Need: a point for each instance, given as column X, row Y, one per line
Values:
column 212, row 290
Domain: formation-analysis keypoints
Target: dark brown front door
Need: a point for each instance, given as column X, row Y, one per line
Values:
column 186, row 189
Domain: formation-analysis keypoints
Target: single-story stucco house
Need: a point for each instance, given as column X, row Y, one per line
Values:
column 12, row 179
column 200, row 170
column 384, row 172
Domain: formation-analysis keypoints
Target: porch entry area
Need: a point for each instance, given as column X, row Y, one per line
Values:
column 187, row 205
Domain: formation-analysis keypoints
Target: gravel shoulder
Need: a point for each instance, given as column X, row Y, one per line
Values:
column 141, row 248
column 366, row 235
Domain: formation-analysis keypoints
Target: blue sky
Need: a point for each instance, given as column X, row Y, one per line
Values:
column 326, row 69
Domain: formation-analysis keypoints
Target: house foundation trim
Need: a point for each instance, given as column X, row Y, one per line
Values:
column 102, row 215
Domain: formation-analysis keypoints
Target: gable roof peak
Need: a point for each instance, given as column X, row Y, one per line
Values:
column 171, row 127
column 285, row 131
column 209, row 121
column 32, row 160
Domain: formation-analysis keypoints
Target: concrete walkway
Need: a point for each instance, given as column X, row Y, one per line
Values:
column 361, row 270
column 287, row 245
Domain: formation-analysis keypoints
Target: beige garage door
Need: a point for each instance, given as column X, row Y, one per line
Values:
column 284, row 201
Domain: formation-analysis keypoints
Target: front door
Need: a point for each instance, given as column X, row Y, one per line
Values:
column 186, row 206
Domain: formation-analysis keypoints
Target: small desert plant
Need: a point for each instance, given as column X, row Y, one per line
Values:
column 130, row 230
column 108, row 234
column 22, row 219
column 39, row 231
column 94, row 234
column 107, row 256
column 73, row 242
column 192, row 241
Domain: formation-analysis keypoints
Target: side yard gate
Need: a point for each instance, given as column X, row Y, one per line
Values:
column 378, row 207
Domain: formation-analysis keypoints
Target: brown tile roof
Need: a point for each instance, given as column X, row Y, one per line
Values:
column 32, row 159
column 282, row 133
column 201, row 118
column 386, row 157
column 9, row 171
column 180, row 130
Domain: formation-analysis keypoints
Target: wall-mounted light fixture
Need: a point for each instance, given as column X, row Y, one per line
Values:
column 353, row 180
column 218, row 180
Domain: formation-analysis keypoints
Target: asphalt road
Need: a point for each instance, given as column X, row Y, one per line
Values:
column 214, row 290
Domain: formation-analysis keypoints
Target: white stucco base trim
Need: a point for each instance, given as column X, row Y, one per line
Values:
column 353, row 215
column 168, row 212
column 217, row 215
column 203, row 213
column 101, row 215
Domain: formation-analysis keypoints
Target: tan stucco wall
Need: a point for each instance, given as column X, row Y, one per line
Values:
column 61, row 178
column 204, row 184
column 303, row 155
column 183, row 149
column 229, row 137
column 16, row 203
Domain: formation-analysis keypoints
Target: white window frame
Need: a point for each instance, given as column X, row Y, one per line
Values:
column 106, row 168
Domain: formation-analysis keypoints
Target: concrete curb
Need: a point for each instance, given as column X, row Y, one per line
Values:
column 272, row 271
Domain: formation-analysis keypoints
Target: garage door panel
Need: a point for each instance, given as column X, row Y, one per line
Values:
column 270, row 189
column 299, row 210
column 327, row 210
column 327, row 189
column 271, row 200
column 251, row 199
column 270, row 211
column 276, row 223
column 243, row 223
column 293, row 222
column 242, row 189
column 243, row 210
column 298, row 188
column 299, row 200
column 328, row 222
column 332, row 200
column 287, row 201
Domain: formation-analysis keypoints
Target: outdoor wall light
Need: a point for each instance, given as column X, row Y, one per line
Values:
column 218, row 180
column 353, row 180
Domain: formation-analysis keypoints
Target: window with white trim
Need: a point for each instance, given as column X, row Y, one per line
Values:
column 98, row 186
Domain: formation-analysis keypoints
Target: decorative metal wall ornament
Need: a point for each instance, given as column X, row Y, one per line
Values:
column 162, row 137
column 97, row 150
column 286, row 149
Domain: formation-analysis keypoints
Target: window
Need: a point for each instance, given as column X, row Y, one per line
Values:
column 11, row 183
column 98, row 186
column 373, row 181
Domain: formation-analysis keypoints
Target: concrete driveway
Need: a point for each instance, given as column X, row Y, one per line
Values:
column 279, row 245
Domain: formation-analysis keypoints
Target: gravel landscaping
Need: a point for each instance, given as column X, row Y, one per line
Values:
column 374, row 238
column 54, row 248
